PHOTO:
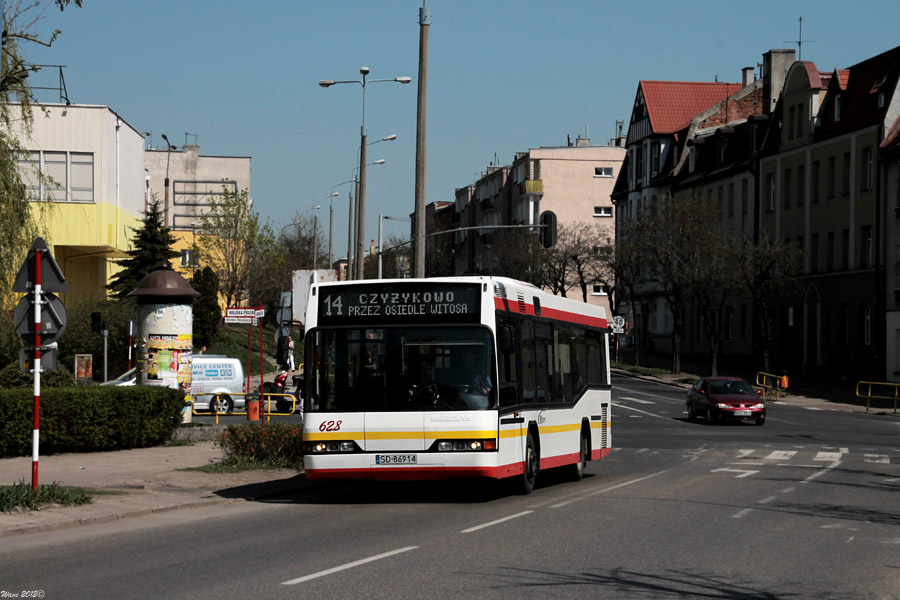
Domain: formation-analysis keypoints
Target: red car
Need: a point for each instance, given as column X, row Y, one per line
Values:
column 720, row 398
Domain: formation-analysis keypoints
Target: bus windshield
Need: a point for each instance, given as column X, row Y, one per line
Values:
column 400, row 369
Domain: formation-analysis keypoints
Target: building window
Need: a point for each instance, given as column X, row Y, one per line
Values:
column 58, row 176
column 845, row 249
column 868, row 168
column 731, row 199
column 837, row 108
column 865, row 246
column 189, row 258
column 814, row 253
column 603, row 172
column 692, row 158
column 654, row 158
column 845, row 188
column 598, row 290
column 603, row 211
column 770, row 191
column 831, row 176
column 801, row 185
column 786, row 189
column 829, row 256
column 814, row 183
column 791, row 113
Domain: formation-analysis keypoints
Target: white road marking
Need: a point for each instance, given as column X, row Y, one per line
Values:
column 781, row 455
column 876, row 458
column 743, row 453
column 743, row 472
column 643, row 412
column 637, row 400
column 498, row 521
column 829, row 456
column 818, row 474
column 741, row 513
column 767, row 500
column 788, row 490
column 348, row 566
column 608, row 489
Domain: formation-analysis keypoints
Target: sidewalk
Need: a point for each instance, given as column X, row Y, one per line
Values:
column 138, row 482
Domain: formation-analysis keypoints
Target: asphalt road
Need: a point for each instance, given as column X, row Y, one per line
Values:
column 806, row 506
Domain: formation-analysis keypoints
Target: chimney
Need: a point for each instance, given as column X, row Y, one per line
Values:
column 747, row 76
column 582, row 142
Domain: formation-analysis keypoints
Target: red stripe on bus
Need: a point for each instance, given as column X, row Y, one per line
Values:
column 601, row 453
column 552, row 313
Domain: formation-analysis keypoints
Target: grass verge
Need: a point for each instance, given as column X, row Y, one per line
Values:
column 20, row 496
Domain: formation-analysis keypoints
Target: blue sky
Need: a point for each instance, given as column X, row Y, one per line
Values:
column 504, row 76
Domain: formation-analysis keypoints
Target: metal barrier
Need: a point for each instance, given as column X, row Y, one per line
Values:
column 265, row 406
column 769, row 381
column 895, row 387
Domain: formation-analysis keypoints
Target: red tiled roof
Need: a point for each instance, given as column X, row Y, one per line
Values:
column 672, row 104
column 843, row 77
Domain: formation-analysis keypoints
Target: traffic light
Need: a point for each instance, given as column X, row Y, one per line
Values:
column 96, row 322
column 282, row 350
column 548, row 229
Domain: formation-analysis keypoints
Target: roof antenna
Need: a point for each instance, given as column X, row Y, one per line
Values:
column 799, row 40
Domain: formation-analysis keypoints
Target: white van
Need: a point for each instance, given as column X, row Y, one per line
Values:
column 220, row 375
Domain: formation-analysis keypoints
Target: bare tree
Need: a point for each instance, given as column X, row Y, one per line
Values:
column 629, row 266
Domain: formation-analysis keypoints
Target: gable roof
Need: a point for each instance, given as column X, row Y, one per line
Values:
column 672, row 104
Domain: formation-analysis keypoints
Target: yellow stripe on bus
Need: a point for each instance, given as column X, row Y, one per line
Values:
column 560, row 428
column 399, row 435
column 599, row 424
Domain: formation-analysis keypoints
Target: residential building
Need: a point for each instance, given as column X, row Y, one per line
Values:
column 95, row 160
column 192, row 180
column 573, row 181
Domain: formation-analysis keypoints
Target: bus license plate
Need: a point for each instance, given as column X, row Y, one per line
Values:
column 742, row 413
column 395, row 459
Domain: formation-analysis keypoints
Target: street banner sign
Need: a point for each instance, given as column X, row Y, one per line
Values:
column 250, row 320
column 53, row 318
column 52, row 279
column 239, row 311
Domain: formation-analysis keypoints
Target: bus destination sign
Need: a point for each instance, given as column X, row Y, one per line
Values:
column 402, row 303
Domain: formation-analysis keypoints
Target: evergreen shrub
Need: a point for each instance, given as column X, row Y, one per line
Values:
column 89, row 419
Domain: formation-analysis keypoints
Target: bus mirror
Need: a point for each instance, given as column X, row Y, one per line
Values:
column 506, row 339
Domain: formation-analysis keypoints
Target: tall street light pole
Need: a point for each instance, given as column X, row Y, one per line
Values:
column 421, row 126
column 315, row 210
column 352, row 256
column 361, row 195
column 169, row 148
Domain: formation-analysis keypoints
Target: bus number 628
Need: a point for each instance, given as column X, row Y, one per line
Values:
column 330, row 426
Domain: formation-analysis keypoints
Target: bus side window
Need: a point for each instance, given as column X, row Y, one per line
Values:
column 543, row 361
column 508, row 363
column 529, row 368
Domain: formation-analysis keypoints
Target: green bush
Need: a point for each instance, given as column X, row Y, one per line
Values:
column 13, row 377
column 272, row 445
column 89, row 419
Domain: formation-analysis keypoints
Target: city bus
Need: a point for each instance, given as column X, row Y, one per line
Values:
column 414, row 379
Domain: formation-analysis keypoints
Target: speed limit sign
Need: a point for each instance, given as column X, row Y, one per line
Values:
column 618, row 324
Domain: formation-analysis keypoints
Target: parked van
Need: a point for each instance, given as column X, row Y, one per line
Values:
column 217, row 375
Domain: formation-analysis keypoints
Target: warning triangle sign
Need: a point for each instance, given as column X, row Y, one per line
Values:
column 52, row 279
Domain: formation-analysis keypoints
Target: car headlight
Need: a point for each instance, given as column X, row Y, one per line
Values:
column 758, row 406
column 722, row 405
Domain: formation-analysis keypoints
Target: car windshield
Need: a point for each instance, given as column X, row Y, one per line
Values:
column 400, row 369
column 730, row 387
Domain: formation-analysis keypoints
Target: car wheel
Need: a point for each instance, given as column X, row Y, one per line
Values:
column 761, row 420
column 576, row 471
column 711, row 416
column 532, row 463
column 222, row 405
column 692, row 414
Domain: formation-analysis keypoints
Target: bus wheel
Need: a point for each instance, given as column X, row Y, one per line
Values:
column 576, row 471
column 532, row 462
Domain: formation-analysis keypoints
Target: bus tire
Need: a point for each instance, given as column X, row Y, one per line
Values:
column 576, row 471
column 532, row 464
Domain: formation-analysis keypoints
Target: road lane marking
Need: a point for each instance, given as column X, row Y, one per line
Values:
column 741, row 513
column 818, row 474
column 743, row 472
column 767, row 500
column 876, row 458
column 781, row 455
column 638, row 400
column 828, row 456
column 643, row 412
column 497, row 522
column 348, row 565
column 743, row 453
column 608, row 489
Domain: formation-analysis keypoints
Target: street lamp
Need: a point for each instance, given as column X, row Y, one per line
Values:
column 381, row 218
column 361, row 196
column 316, row 236
column 169, row 148
column 353, row 232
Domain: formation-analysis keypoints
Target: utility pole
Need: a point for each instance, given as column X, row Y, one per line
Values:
column 421, row 125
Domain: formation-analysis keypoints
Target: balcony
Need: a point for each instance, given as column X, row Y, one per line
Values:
column 533, row 186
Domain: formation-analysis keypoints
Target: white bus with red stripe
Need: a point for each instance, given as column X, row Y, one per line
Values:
column 389, row 392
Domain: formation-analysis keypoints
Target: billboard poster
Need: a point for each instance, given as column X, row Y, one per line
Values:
column 164, row 345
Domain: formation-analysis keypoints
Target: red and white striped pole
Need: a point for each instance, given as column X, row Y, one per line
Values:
column 38, row 257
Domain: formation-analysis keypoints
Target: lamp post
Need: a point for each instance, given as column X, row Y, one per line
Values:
column 169, row 148
column 381, row 218
column 361, row 195
column 315, row 210
column 353, row 252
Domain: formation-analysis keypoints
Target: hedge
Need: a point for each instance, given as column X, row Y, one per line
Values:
column 89, row 419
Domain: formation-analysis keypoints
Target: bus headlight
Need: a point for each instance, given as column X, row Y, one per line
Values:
column 329, row 447
column 465, row 445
